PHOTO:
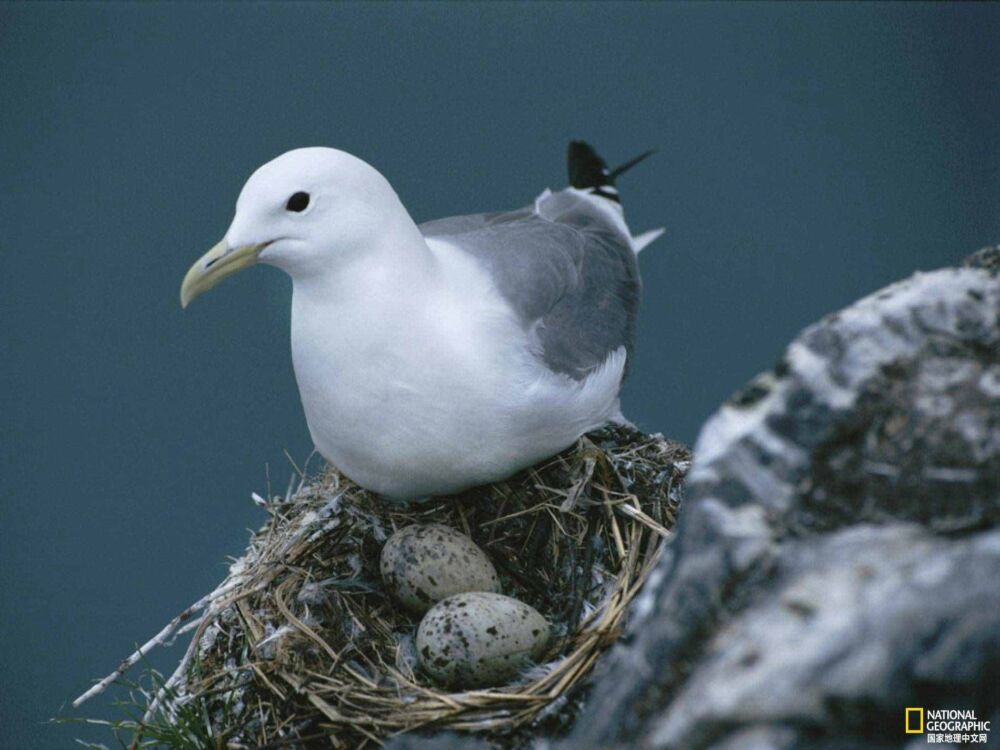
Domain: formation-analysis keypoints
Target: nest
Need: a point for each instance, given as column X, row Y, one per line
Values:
column 301, row 646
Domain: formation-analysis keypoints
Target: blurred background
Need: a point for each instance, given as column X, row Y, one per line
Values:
column 808, row 154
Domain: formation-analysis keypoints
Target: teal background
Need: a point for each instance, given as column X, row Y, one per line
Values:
column 808, row 154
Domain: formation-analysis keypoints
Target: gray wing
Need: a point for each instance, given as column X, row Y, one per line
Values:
column 568, row 270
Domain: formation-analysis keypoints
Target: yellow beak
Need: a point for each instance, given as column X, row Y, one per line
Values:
column 215, row 265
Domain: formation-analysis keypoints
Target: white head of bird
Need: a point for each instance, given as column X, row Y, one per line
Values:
column 309, row 212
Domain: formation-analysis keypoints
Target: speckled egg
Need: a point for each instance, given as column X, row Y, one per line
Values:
column 479, row 639
column 421, row 565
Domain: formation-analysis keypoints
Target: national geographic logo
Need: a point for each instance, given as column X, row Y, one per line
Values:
column 947, row 726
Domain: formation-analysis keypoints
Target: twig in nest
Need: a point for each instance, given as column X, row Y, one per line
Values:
column 156, row 640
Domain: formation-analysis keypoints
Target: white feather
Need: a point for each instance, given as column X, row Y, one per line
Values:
column 641, row 241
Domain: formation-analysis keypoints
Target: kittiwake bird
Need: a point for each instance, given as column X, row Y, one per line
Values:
column 435, row 357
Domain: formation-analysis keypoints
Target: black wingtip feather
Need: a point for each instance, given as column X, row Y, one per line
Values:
column 623, row 168
column 588, row 170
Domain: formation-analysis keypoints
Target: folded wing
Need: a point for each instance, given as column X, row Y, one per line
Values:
column 567, row 266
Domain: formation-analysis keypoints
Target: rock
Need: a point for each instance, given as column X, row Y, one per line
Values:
column 837, row 557
column 421, row 565
column 844, row 638
column 988, row 258
column 480, row 639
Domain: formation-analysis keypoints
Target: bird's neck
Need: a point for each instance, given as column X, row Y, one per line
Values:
column 349, row 324
column 392, row 260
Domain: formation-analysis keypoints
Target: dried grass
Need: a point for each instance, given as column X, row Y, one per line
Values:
column 301, row 647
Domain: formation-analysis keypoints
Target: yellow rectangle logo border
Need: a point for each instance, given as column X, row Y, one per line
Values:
column 906, row 721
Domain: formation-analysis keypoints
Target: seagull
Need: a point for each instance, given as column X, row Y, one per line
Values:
column 436, row 357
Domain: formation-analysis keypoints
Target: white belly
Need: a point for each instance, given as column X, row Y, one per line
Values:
column 432, row 395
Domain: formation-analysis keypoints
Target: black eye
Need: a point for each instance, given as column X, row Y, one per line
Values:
column 298, row 202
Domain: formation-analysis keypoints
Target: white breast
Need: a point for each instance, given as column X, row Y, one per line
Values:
column 416, row 387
